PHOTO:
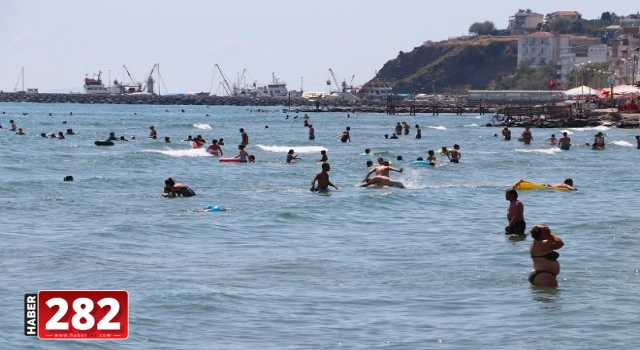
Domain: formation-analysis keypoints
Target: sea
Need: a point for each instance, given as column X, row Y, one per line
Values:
column 425, row 267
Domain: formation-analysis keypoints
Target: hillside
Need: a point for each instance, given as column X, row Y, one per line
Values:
column 452, row 66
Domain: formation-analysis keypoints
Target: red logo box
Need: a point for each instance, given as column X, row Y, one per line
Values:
column 83, row 314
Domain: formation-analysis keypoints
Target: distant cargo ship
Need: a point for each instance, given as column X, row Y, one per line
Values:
column 276, row 88
column 95, row 86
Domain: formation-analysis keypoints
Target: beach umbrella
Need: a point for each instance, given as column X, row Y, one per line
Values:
column 582, row 91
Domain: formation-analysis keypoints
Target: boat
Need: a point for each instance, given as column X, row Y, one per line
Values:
column 526, row 185
column 276, row 88
column 314, row 95
column 375, row 89
column 94, row 86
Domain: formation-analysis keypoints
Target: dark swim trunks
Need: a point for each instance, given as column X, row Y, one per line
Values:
column 455, row 160
column 320, row 189
column 187, row 192
column 518, row 228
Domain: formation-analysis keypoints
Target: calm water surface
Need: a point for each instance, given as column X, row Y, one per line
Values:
column 283, row 268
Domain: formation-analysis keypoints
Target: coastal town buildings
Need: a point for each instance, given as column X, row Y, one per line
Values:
column 624, row 58
column 525, row 21
column 568, row 15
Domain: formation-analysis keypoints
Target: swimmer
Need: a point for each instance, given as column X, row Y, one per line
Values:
column 638, row 141
column 369, row 164
column 345, row 136
column 245, row 137
column 214, row 149
column 394, row 136
column 60, row 135
column 210, row 208
column 112, row 136
column 153, row 134
column 68, row 178
column 506, row 133
column 431, row 158
column 177, row 189
column 323, row 157
column 454, row 155
column 367, row 151
column 167, row 139
column 252, row 158
column 312, row 135
column 565, row 142
column 188, row 139
column 323, row 180
column 526, row 135
column 382, row 170
column 598, row 141
column 291, row 156
column 568, row 184
column 418, row 132
column 242, row 154
column 552, row 140
column 123, row 139
column 382, row 181
column 20, row 132
column 444, row 151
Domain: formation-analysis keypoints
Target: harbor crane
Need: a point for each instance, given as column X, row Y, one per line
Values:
column 225, row 82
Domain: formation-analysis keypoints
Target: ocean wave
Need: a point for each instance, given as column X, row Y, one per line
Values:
column 588, row 128
column 436, row 127
column 191, row 152
column 297, row 149
column 472, row 125
column 552, row 150
column 622, row 143
column 202, row 126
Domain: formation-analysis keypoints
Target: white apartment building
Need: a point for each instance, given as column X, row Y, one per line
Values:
column 567, row 51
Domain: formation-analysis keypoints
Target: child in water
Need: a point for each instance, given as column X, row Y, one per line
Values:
column 291, row 156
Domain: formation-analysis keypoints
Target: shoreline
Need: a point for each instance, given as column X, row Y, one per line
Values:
column 607, row 117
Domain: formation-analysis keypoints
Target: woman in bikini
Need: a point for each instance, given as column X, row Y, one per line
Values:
column 545, row 259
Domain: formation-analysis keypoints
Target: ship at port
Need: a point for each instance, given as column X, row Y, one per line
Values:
column 95, row 85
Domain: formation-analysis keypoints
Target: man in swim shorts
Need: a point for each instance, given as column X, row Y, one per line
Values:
column 323, row 179
column 564, row 143
column 245, row 137
column 382, row 170
column 515, row 214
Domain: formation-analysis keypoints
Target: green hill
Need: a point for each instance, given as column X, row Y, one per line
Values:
column 452, row 66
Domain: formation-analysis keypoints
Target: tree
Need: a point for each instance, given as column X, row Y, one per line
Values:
column 527, row 78
column 606, row 17
column 559, row 25
column 484, row 28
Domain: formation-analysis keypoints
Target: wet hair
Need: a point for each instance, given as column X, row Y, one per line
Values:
column 169, row 182
column 241, row 130
column 68, row 178
column 323, row 152
column 369, row 163
column 568, row 181
column 214, row 141
column 399, row 158
column 513, row 192
column 553, row 135
column 386, row 136
column 325, row 166
column 167, row 189
column 290, row 151
column 536, row 231
column 366, row 150
column 564, row 133
column 430, row 152
column 417, row 126
column 348, row 128
column 456, row 146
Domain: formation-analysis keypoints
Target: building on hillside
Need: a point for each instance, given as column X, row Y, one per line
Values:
column 538, row 48
column 624, row 60
column 568, row 15
column 524, row 21
column 568, row 51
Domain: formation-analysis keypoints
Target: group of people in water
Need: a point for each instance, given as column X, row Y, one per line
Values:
column 544, row 245
column 564, row 143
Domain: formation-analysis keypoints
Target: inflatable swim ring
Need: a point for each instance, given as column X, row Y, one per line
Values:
column 104, row 143
column 366, row 154
column 422, row 163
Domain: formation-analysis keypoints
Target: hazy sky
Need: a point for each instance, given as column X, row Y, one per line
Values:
column 58, row 42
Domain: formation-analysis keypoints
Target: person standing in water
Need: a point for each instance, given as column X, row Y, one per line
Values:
column 242, row 154
column 323, row 180
column 418, row 132
column 506, row 133
column 345, row 136
column 312, row 132
column 245, row 137
column 564, row 143
column 153, row 134
column 515, row 214
column 544, row 256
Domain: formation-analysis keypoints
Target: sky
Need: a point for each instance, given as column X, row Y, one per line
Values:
column 59, row 43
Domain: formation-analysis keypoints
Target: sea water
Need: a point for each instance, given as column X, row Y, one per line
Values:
column 284, row 268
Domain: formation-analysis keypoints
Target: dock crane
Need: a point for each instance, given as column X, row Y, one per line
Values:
column 335, row 80
column 225, row 83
